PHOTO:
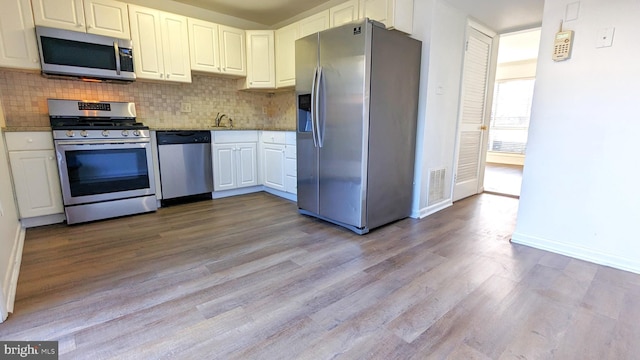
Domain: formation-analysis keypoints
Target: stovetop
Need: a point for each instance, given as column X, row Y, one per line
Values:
column 95, row 124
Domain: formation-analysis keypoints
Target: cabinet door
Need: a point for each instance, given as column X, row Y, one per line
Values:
column 204, row 46
column 285, row 42
column 247, row 170
column 108, row 18
column 343, row 13
column 62, row 14
column 232, row 51
column 175, row 47
column 18, row 46
column 147, row 42
column 273, row 166
column 314, row 23
column 224, row 168
column 35, row 176
column 261, row 67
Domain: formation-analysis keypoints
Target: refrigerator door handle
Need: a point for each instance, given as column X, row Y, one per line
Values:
column 314, row 128
column 319, row 115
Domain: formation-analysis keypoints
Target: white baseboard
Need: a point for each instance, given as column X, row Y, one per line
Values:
column 424, row 212
column 42, row 220
column 234, row 192
column 11, row 277
column 577, row 252
column 282, row 194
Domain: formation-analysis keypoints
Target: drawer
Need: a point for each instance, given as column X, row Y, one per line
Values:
column 290, row 151
column 291, row 185
column 31, row 140
column 290, row 138
column 234, row 136
column 275, row 137
column 290, row 167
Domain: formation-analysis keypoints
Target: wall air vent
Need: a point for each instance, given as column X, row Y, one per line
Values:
column 436, row 185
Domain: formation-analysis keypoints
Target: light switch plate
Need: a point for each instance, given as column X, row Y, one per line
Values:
column 605, row 37
column 185, row 107
column 572, row 11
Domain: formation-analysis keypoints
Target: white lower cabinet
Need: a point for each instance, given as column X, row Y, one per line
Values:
column 279, row 161
column 35, row 174
column 273, row 166
column 234, row 159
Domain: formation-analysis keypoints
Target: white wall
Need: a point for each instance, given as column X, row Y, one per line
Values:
column 579, row 192
column 11, row 234
column 442, row 30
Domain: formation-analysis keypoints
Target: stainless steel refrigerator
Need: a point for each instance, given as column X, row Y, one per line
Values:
column 357, row 102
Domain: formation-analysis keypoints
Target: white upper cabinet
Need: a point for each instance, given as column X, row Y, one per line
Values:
column 216, row 49
column 102, row 17
column 107, row 17
column 285, row 41
column 394, row 14
column 18, row 46
column 343, row 13
column 313, row 23
column 261, row 67
column 175, row 47
column 204, row 46
column 160, row 45
column 232, row 51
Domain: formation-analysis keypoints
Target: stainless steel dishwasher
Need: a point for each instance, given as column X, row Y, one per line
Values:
column 185, row 165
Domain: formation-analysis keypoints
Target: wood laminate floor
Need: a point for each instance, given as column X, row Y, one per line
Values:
column 248, row 278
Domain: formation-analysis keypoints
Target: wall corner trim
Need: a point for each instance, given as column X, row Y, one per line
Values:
column 424, row 212
column 11, row 277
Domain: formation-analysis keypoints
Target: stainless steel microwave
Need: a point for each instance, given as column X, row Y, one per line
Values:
column 84, row 56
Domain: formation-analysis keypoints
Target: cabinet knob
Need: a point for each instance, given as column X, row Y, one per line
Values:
column 29, row 140
column 161, row 76
column 168, row 75
column 79, row 25
column 50, row 157
column 35, row 60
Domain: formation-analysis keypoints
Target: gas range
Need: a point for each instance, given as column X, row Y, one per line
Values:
column 104, row 159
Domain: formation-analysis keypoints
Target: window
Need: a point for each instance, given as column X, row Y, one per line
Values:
column 510, row 115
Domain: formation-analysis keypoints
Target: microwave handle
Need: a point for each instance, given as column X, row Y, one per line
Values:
column 116, row 49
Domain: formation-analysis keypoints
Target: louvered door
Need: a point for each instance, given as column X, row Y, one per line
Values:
column 473, row 116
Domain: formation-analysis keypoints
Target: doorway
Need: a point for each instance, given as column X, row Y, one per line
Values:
column 510, row 111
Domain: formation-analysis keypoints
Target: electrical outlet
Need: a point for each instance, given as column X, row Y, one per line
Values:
column 264, row 110
column 185, row 107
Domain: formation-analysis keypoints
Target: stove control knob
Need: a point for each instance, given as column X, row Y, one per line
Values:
column 125, row 132
column 105, row 133
column 136, row 132
column 70, row 133
column 84, row 133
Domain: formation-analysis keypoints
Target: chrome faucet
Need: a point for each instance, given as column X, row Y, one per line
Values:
column 219, row 119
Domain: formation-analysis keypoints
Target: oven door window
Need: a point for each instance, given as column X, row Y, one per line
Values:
column 93, row 172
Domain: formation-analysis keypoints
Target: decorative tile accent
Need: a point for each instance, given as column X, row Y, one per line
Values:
column 24, row 98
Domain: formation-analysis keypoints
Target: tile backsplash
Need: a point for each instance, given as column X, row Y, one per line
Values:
column 24, row 99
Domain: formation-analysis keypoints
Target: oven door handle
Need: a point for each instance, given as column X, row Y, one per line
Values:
column 102, row 142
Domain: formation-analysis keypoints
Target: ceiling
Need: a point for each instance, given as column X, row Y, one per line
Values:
column 500, row 15
column 267, row 12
